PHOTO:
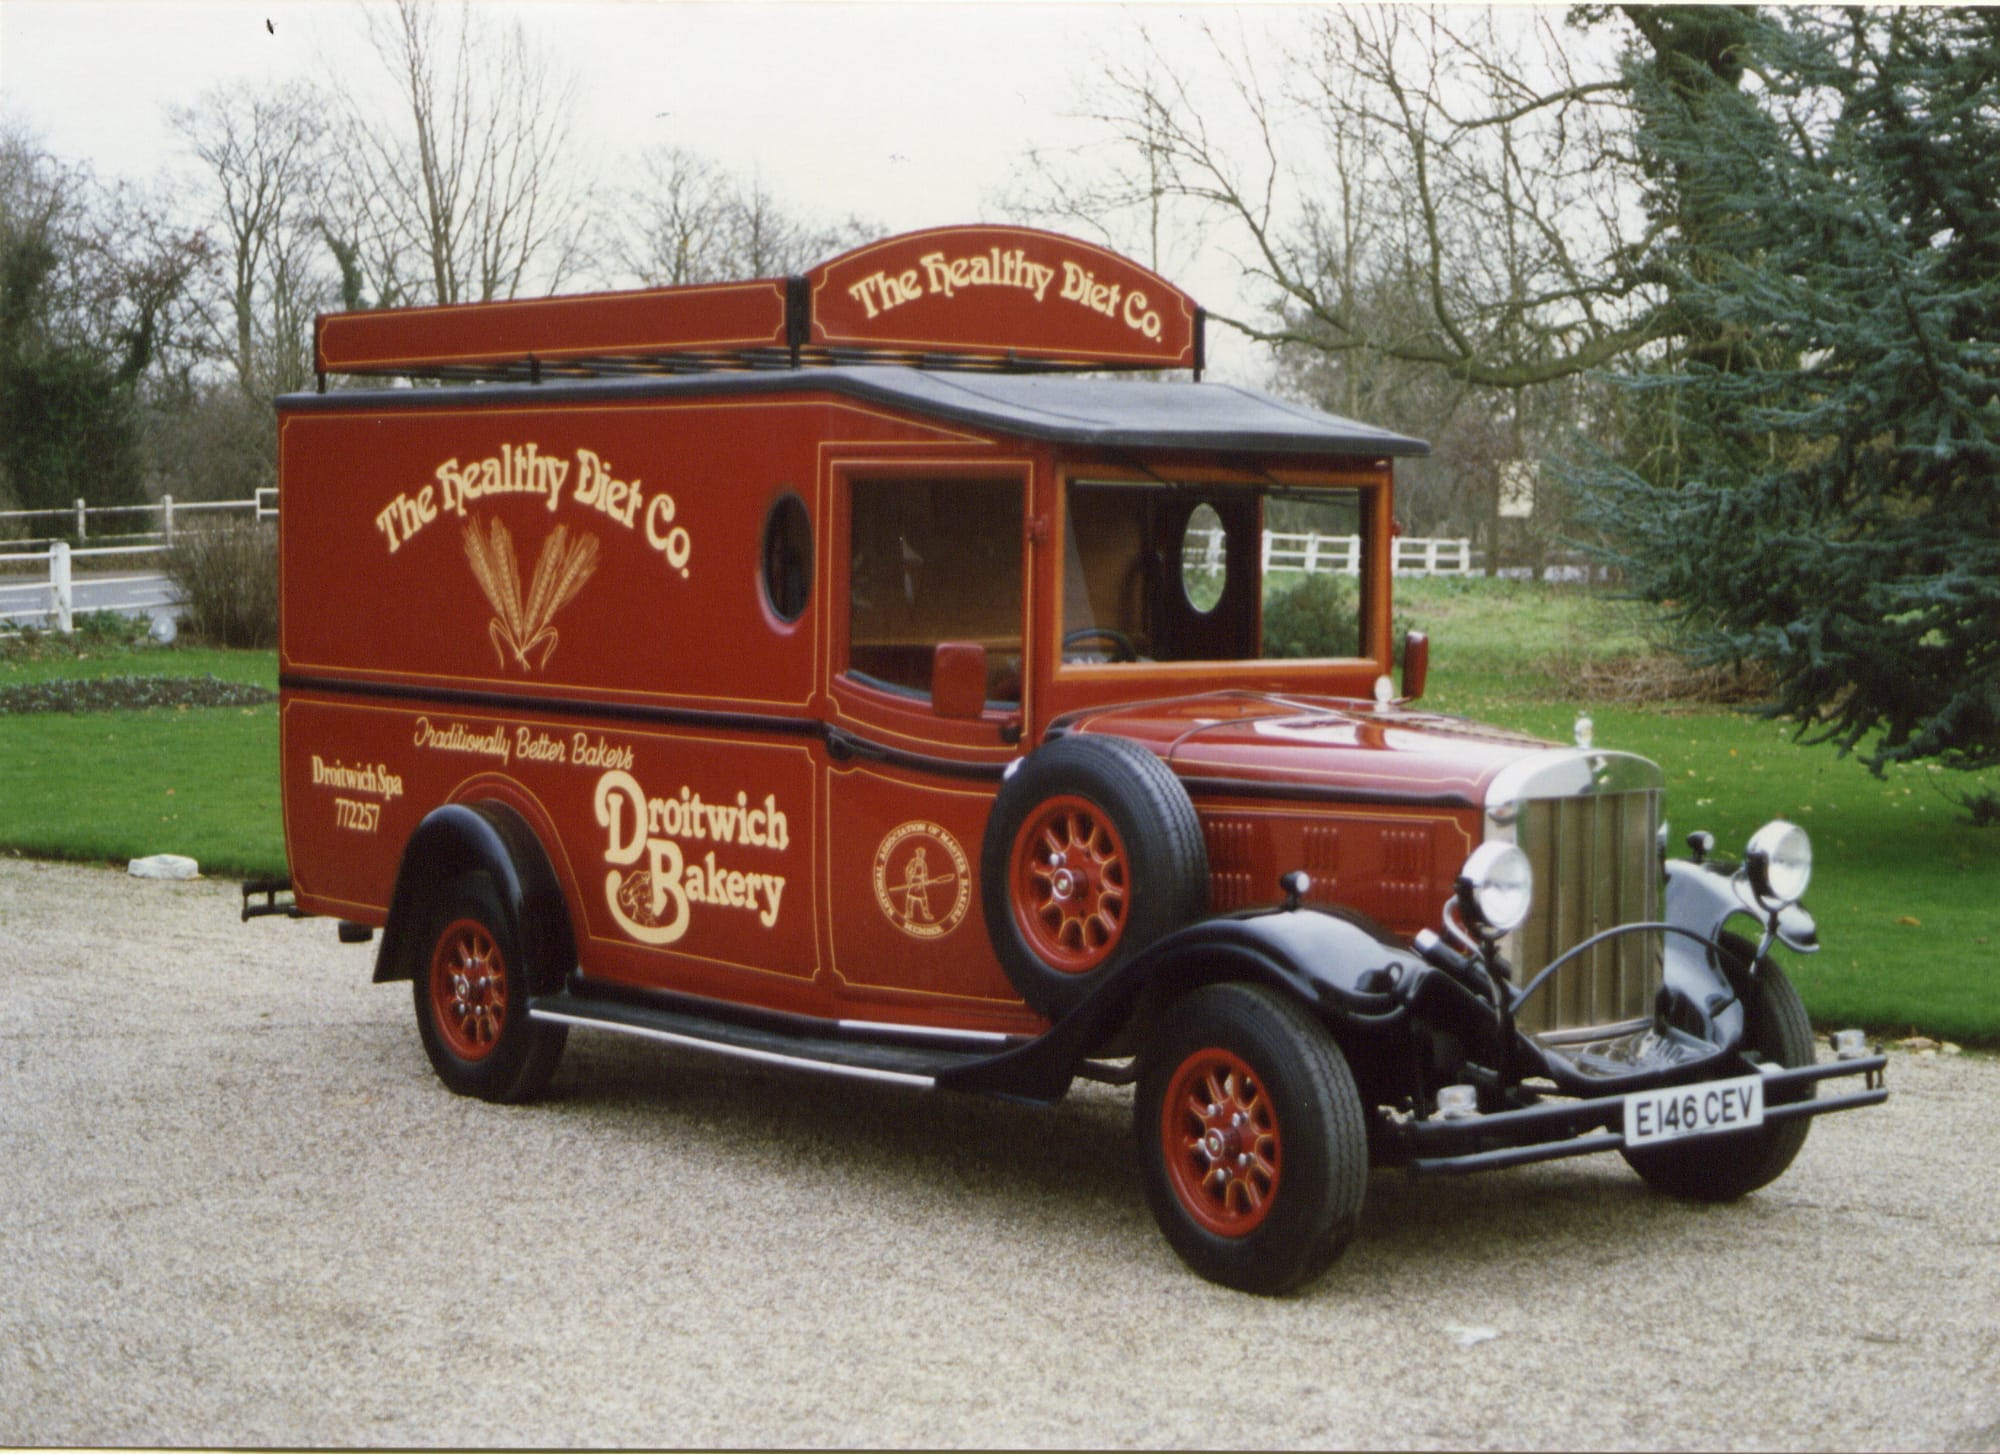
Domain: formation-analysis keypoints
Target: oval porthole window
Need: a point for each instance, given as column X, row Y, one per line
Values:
column 788, row 558
column 1204, row 559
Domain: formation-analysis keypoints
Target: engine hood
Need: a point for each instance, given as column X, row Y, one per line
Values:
column 1265, row 744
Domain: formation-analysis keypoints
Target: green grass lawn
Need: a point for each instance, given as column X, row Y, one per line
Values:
column 109, row 660
column 1906, row 893
column 119, row 785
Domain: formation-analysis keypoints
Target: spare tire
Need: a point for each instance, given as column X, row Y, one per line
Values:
column 1093, row 851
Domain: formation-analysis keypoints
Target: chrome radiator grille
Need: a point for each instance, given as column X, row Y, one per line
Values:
column 1596, row 865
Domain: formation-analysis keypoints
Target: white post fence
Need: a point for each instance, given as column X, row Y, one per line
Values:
column 54, row 581
column 1337, row 554
column 59, row 590
column 89, row 523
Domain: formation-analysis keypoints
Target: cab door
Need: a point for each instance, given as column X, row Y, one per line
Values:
column 927, row 555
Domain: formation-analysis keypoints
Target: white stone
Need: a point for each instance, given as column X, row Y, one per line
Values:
column 1467, row 1337
column 164, row 865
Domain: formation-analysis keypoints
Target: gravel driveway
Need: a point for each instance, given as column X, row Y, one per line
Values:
column 239, row 1210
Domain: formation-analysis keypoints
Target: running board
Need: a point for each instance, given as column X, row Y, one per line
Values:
column 920, row 1067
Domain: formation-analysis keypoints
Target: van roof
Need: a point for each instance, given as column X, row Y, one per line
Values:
column 1059, row 408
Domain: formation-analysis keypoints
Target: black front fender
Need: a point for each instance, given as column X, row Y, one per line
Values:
column 1703, row 900
column 1707, row 978
column 1335, row 967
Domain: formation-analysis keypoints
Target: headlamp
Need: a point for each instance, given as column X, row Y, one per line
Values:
column 1496, row 887
column 1779, row 862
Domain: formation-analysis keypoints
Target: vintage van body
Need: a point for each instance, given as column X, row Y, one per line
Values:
column 846, row 671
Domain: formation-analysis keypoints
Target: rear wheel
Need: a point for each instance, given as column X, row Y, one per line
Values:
column 472, row 999
column 1723, row 1168
column 1252, row 1144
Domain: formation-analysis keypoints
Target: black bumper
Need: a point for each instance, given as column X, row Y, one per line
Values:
column 1556, row 1129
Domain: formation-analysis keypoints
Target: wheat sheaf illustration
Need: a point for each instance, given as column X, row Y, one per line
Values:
column 520, row 627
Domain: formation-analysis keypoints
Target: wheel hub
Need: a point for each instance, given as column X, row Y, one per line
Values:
column 468, row 990
column 1069, row 879
column 1222, row 1142
column 1064, row 884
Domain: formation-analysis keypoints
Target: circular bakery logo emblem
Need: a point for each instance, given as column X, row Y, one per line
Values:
column 922, row 881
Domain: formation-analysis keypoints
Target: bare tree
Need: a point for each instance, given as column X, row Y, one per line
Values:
column 1465, row 161
column 689, row 221
column 767, row 240
column 263, row 162
column 91, row 284
column 477, row 189
column 57, row 273
column 676, row 215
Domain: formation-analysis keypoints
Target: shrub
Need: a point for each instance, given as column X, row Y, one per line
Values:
column 109, row 628
column 1981, row 805
column 127, row 693
column 1320, row 616
column 227, row 577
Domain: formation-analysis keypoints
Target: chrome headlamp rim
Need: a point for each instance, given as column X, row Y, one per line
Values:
column 1496, row 887
column 1778, row 862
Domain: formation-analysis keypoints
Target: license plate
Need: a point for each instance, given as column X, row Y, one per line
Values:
column 1693, row 1110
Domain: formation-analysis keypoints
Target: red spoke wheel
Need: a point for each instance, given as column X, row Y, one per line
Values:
column 1070, row 884
column 1091, row 853
column 468, row 987
column 1219, row 1133
column 472, row 998
column 1253, row 1146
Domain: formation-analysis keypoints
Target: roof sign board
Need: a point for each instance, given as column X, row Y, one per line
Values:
column 965, row 297
column 1003, row 292
column 719, row 319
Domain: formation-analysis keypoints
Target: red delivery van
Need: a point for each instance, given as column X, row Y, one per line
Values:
column 874, row 672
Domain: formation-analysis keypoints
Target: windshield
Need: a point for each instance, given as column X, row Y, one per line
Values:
column 1179, row 572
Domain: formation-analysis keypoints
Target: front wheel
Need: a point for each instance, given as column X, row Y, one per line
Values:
column 472, row 999
column 1252, row 1144
column 1723, row 1168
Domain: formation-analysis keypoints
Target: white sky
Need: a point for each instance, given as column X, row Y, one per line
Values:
column 912, row 114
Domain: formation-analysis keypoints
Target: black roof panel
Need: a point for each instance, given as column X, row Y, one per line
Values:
column 1124, row 412
column 1061, row 408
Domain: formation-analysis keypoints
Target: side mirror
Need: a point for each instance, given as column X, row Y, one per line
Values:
column 958, row 680
column 1416, row 664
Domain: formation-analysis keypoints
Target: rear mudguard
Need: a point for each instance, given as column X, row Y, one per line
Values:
column 1335, row 967
column 479, row 837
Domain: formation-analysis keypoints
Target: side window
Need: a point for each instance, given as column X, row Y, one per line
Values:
column 788, row 558
column 935, row 559
column 1204, row 559
column 1157, row 572
column 1313, row 587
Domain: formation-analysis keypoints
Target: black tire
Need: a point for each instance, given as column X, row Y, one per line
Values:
column 1253, row 1146
column 472, row 990
column 1723, row 1168
column 1092, row 852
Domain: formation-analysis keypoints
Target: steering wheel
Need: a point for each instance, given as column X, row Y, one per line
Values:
column 1121, row 644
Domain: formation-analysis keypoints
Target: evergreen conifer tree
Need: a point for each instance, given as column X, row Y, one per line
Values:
column 1823, row 487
